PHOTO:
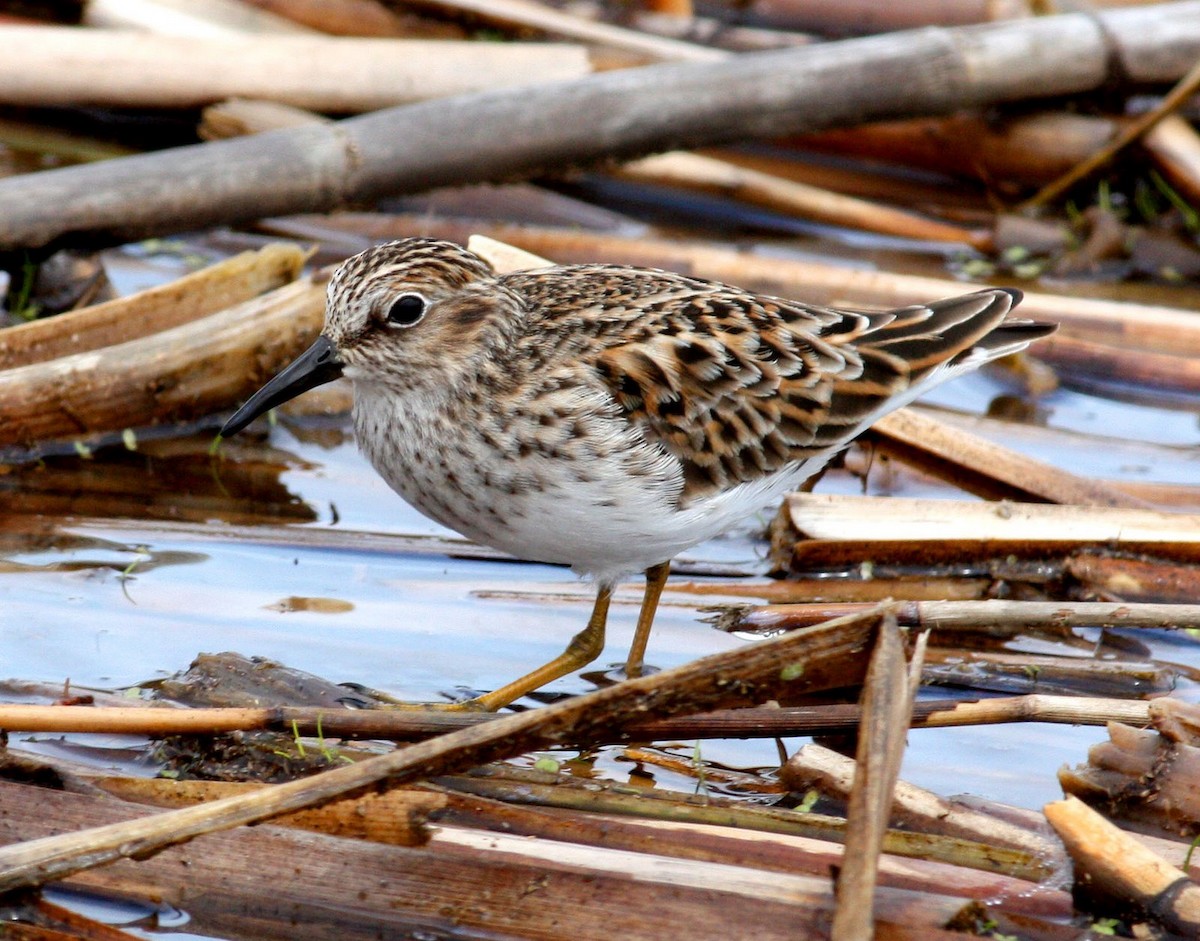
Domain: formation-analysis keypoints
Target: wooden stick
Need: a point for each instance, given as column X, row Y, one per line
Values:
column 841, row 16
column 511, row 133
column 1094, row 364
column 987, row 468
column 64, row 67
column 810, row 202
column 1009, row 617
column 1175, row 146
column 756, row 722
column 1116, row 864
column 556, row 23
column 1022, row 149
column 1185, row 88
column 337, row 17
column 828, row 655
column 886, row 707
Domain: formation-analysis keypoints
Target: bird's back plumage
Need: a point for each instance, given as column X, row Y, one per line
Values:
column 736, row 386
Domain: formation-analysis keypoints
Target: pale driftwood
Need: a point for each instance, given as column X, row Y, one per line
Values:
column 871, row 519
column 1066, row 710
column 510, row 133
column 810, row 202
column 178, row 374
column 1117, row 865
column 829, row 656
column 46, row 66
column 919, row 809
column 185, row 299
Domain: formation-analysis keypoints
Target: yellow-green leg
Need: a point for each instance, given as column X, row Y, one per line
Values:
column 582, row 650
column 656, row 580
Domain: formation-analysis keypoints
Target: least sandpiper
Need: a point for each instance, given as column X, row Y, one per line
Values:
column 609, row 417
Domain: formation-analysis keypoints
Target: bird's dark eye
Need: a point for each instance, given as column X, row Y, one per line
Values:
column 407, row 310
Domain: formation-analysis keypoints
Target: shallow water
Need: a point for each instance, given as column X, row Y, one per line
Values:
column 119, row 601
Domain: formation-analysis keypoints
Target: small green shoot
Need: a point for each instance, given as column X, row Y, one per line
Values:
column 141, row 554
column 22, row 306
column 1187, row 858
column 792, row 671
column 701, row 770
column 129, row 439
column 82, row 450
column 1191, row 218
column 547, row 764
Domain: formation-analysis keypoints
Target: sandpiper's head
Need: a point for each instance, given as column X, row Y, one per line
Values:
column 402, row 314
column 407, row 306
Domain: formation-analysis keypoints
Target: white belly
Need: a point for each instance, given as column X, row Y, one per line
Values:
column 608, row 511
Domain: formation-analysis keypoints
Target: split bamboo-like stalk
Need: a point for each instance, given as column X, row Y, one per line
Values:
column 176, row 375
column 45, row 66
column 232, row 281
column 985, row 467
column 510, row 133
column 872, row 519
